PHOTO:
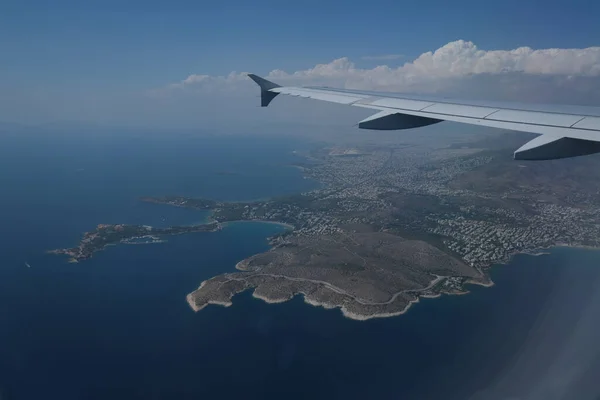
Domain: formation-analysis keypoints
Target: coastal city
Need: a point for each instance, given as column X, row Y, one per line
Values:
column 454, row 198
column 389, row 223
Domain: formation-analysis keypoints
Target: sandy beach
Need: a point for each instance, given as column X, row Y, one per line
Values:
column 268, row 300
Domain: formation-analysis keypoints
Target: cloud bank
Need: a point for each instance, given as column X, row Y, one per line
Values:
column 443, row 70
column 457, row 69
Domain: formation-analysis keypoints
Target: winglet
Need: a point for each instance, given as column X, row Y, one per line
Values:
column 266, row 96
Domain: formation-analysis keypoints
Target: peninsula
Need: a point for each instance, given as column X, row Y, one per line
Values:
column 393, row 222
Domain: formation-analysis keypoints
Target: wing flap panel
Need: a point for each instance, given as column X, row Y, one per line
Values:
column 318, row 95
column 403, row 104
column 547, row 147
column 592, row 123
column 461, row 110
column 535, row 118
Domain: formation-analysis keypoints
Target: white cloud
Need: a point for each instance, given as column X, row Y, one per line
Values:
column 454, row 60
column 457, row 67
column 208, row 80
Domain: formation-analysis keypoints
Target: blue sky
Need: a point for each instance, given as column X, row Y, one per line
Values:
column 64, row 51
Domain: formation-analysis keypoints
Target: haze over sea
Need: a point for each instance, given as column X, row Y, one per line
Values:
column 117, row 326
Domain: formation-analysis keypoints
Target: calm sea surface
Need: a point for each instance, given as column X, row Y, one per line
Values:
column 117, row 326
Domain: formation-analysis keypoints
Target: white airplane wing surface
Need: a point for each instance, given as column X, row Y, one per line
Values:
column 566, row 131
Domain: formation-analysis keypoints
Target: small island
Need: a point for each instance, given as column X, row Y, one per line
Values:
column 106, row 235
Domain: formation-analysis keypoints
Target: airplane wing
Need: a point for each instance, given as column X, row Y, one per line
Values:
column 565, row 131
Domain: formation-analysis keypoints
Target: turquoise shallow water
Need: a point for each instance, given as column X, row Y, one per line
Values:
column 118, row 326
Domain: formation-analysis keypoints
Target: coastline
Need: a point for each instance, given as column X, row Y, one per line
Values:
column 196, row 308
column 241, row 265
column 190, row 300
column 535, row 252
column 328, row 306
column 268, row 300
column 358, row 317
column 484, row 269
column 484, row 284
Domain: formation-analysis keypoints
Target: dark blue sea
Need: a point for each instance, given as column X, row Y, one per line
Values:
column 117, row 326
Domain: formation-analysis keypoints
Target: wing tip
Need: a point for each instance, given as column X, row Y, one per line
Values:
column 266, row 96
column 263, row 83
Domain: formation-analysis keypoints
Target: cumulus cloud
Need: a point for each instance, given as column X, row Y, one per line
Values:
column 458, row 66
column 209, row 81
